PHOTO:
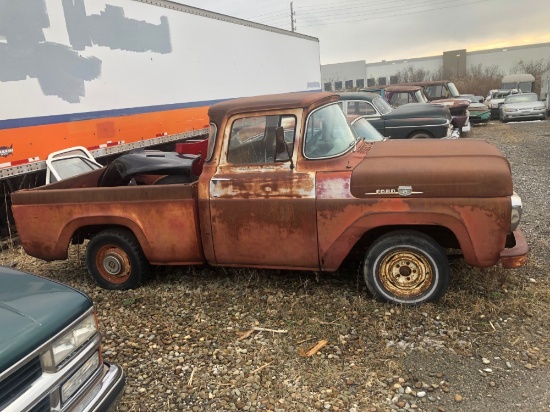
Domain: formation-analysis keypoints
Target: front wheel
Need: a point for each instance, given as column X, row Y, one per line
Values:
column 406, row 267
column 115, row 260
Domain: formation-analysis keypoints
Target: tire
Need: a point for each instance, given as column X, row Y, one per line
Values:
column 421, row 135
column 406, row 267
column 115, row 260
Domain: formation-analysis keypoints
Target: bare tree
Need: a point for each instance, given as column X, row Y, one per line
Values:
column 412, row 74
column 479, row 80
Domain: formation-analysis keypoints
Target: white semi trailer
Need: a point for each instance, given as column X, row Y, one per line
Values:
column 112, row 75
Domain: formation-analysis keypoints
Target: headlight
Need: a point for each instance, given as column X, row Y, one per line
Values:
column 79, row 377
column 510, row 109
column 538, row 108
column 63, row 347
column 516, row 212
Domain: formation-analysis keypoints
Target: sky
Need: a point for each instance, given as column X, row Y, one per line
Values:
column 376, row 30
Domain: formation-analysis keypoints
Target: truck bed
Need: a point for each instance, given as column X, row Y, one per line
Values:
column 162, row 217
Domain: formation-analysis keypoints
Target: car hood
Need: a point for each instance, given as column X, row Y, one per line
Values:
column 454, row 104
column 32, row 311
column 523, row 105
column 418, row 110
column 434, row 168
column 477, row 107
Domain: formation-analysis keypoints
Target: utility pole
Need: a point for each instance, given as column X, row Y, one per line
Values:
column 292, row 15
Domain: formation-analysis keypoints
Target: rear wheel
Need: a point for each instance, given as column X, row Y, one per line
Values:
column 406, row 267
column 115, row 260
column 421, row 135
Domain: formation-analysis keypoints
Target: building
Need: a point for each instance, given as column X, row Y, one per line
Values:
column 357, row 74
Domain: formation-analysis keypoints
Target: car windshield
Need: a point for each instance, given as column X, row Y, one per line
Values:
column 328, row 133
column 382, row 105
column 453, row 89
column 421, row 97
column 519, row 98
column 366, row 131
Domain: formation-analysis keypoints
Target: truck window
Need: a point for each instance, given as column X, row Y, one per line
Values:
column 252, row 139
column 360, row 107
column 328, row 133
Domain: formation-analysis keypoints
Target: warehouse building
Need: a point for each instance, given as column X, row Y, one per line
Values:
column 454, row 63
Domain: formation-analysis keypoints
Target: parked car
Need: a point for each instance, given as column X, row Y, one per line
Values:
column 364, row 130
column 411, row 121
column 522, row 106
column 479, row 112
column 495, row 99
column 445, row 92
column 50, row 349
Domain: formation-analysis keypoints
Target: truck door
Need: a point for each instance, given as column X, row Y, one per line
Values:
column 262, row 208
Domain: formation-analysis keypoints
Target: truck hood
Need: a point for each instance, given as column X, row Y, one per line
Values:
column 432, row 168
column 32, row 311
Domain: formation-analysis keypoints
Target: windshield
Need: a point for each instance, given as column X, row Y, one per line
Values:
column 382, row 105
column 328, row 133
column 420, row 97
column 453, row 89
column 518, row 98
column 366, row 131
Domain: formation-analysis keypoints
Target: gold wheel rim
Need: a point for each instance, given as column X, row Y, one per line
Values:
column 405, row 274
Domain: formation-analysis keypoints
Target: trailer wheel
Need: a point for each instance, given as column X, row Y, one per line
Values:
column 115, row 260
column 407, row 268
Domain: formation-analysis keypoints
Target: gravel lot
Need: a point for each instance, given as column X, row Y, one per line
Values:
column 208, row 339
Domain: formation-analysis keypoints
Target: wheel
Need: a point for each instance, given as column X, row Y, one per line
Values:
column 406, row 267
column 115, row 260
column 420, row 135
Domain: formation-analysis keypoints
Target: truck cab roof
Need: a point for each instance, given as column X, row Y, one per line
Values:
column 269, row 102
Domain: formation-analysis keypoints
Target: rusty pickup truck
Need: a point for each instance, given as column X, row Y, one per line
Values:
column 286, row 184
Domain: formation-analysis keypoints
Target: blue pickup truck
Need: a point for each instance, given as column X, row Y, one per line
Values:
column 50, row 353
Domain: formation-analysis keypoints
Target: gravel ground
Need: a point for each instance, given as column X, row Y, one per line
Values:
column 209, row 339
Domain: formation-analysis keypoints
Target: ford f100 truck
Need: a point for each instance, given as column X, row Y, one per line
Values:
column 286, row 184
column 50, row 349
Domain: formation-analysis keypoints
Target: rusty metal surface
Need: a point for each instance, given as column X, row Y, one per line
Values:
column 163, row 218
column 249, row 105
column 449, row 168
column 515, row 256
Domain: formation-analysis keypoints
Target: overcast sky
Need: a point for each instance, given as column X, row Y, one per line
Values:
column 375, row 30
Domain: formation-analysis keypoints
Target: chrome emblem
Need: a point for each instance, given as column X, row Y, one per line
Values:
column 401, row 191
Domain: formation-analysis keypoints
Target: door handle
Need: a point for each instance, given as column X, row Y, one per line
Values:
column 221, row 179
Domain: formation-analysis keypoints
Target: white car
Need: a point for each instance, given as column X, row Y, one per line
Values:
column 495, row 99
column 522, row 106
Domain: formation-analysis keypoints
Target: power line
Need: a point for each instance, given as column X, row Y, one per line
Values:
column 393, row 15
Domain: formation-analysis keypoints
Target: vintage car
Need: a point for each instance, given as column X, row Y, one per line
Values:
column 479, row 112
column 50, row 349
column 521, row 107
column 411, row 121
column 363, row 129
column 495, row 99
column 445, row 92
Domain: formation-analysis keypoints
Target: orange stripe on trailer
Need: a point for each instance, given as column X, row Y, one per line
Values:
column 37, row 142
